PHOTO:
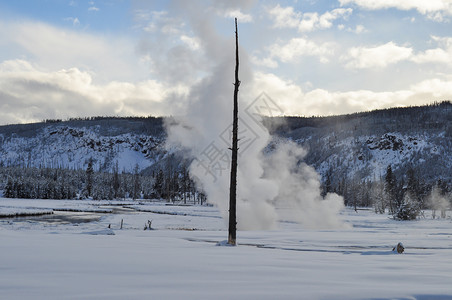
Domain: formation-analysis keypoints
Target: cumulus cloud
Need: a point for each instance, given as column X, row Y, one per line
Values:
column 285, row 93
column 92, row 6
column 267, row 62
column 312, row 21
column 152, row 21
column 66, row 73
column 293, row 51
column 294, row 101
column 358, row 29
column 241, row 17
column 287, row 17
column 74, row 21
column 177, row 50
column 390, row 53
column 437, row 55
column 442, row 54
column 298, row 47
column 192, row 42
column 107, row 58
column 31, row 94
column 376, row 57
column 433, row 9
column 284, row 17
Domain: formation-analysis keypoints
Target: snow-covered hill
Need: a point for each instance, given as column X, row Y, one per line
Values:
column 72, row 144
column 360, row 147
column 352, row 147
column 369, row 156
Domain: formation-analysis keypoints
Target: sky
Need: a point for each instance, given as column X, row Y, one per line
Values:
column 78, row 58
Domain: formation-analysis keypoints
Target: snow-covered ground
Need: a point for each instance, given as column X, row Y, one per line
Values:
column 74, row 255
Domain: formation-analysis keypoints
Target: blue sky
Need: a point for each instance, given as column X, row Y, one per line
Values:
column 63, row 13
column 67, row 58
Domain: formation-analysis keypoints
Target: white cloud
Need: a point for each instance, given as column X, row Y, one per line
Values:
column 157, row 21
column 299, row 47
column 264, row 62
column 323, row 102
column 358, row 29
column 93, row 8
column 433, row 9
column 54, row 48
column 75, row 21
column 191, row 42
column 284, row 93
column 30, row 94
column 433, row 56
column 308, row 22
column 293, row 101
column 376, row 57
column 179, row 47
column 293, row 51
column 442, row 54
column 325, row 20
column 384, row 55
column 241, row 17
column 286, row 17
column 435, row 88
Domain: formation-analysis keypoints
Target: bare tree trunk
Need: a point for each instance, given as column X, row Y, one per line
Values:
column 233, row 186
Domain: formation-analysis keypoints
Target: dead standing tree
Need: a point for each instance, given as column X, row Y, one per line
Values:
column 233, row 184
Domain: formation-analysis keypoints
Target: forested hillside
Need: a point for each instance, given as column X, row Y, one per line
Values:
column 353, row 152
column 125, row 157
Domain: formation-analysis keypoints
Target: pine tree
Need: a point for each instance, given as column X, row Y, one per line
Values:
column 390, row 189
column 408, row 210
column 89, row 178
column 159, row 184
column 9, row 189
column 136, row 183
column 115, row 181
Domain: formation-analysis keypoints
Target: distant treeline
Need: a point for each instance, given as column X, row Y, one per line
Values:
column 284, row 123
column 422, row 113
column 100, row 118
column 51, row 183
column 389, row 192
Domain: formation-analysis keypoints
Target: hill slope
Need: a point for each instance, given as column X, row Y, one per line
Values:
column 354, row 149
column 71, row 144
column 345, row 150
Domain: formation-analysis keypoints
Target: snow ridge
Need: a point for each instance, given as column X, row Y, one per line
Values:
column 63, row 146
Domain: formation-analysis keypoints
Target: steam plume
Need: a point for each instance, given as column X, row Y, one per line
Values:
column 271, row 186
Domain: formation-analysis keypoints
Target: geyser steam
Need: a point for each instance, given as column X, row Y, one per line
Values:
column 270, row 186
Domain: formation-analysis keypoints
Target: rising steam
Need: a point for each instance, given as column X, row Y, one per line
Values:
column 272, row 186
column 439, row 202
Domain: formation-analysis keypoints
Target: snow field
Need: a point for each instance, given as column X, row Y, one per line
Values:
column 80, row 261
